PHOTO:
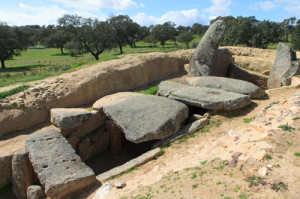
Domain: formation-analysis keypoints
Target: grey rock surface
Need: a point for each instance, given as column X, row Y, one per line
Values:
column 36, row 192
column 238, row 73
column 207, row 59
column 221, row 65
column 207, row 98
column 284, row 67
column 69, row 118
column 22, row 174
column 228, row 84
column 185, row 130
column 165, row 88
column 112, row 99
column 5, row 170
column 145, row 117
column 60, row 171
column 76, row 135
column 94, row 143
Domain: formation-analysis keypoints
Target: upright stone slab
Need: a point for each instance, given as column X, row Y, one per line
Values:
column 22, row 174
column 59, row 169
column 237, row 72
column 5, row 170
column 284, row 67
column 207, row 59
column 227, row 84
column 146, row 117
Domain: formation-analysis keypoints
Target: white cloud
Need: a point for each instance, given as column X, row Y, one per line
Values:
column 41, row 15
column 293, row 9
column 218, row 8
column 142, row 5
column 98, row 4
column 290, row 6
column 183, row 17
column 32, row 15
column 265, row 5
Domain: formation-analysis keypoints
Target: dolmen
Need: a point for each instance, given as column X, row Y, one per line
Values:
column 143, row 117
column 213, row 93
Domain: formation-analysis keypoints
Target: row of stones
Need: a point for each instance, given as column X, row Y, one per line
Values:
column 37, row 96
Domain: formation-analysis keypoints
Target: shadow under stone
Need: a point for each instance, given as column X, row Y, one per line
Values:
column 107, row 160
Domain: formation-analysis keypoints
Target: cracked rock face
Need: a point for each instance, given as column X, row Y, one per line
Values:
column 207, row 59
column 284, row 67
column 144, row 117
column 227, row 84
column 207, row 98
column 56, row 164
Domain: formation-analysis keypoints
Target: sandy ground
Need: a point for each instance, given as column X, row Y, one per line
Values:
column 196, row 167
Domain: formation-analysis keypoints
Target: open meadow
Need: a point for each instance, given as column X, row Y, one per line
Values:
column 36, row 64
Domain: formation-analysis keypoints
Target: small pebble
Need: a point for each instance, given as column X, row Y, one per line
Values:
column 269, row 166
column 263, row 171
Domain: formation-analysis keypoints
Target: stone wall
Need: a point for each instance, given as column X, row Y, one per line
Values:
column 85, row 86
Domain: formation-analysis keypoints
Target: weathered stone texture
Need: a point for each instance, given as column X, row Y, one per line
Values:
column 228, row 84
column 285, row 66
column 144, row 117
column 59, row 169
column 207, row 59
column 22, row 174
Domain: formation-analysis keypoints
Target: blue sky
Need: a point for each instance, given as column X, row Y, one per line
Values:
column 145, row 12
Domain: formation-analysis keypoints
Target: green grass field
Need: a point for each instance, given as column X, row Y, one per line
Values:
column 36, row 64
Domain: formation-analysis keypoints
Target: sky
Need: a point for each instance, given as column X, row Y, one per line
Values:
column 145, row 12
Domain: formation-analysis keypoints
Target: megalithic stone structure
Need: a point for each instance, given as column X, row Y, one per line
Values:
column 285, row 66
column 208, row 59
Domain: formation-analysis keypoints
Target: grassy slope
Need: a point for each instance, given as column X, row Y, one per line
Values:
column 36, row 64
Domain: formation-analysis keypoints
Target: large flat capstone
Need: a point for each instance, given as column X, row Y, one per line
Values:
column 145, row 117
column 59, row 169
column 227, row 84
column 207, row 98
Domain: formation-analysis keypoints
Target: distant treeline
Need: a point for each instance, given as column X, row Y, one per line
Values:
column 81, row 35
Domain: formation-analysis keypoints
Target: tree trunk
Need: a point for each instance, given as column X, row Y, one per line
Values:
column 96, row 56
column 2, row 63
column 62, row 50
column 121, row 49
column 187, row 45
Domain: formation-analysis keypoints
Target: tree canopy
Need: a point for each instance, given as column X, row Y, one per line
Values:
column 12, row 42
column 124, row 31
column 296, row 37
column 92, row 35
column 186, row 38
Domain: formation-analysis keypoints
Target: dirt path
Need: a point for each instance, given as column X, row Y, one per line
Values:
column 196, row 167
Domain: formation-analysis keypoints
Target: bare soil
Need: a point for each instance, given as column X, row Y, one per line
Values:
column 196, row 166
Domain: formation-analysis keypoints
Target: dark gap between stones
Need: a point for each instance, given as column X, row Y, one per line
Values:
column 107, row 160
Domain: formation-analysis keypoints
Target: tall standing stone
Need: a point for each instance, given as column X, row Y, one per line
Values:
column 284, row 67
column 207, row 59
